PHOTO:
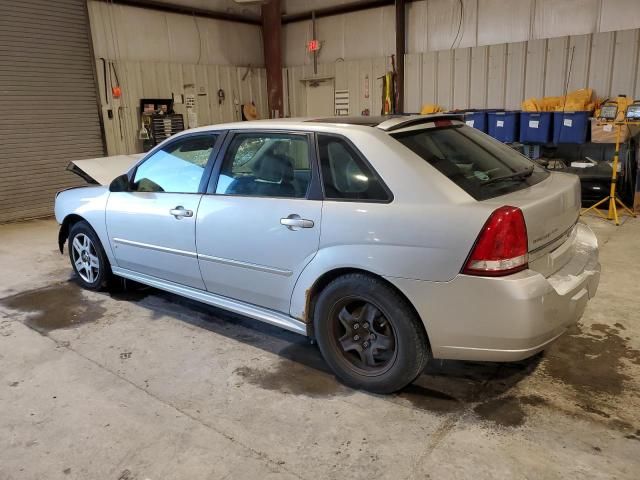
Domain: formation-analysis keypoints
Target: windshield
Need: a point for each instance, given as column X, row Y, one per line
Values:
column 481, row 166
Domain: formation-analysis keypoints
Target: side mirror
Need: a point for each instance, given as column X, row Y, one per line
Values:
column 120, row 184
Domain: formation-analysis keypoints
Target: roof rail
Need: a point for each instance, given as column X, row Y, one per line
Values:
column 403, row 122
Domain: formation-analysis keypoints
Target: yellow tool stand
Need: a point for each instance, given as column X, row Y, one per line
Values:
column 612, row 197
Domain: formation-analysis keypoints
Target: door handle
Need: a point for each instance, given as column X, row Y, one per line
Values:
column 180, row 212
column 295, row 222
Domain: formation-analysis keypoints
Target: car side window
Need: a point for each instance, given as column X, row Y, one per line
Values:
column 345, row 175
column 176, row 168
column 266, row 165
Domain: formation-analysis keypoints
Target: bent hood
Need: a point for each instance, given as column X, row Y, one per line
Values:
column 103, row 170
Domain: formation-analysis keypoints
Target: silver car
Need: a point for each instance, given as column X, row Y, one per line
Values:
column 391, row 240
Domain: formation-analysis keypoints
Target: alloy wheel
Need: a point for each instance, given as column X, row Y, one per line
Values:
column 85, row 258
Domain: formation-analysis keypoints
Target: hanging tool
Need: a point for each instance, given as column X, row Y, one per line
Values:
column 104, row 77
column 249, row 70
column 143, row 134
column 120, row 121
column 116, row 91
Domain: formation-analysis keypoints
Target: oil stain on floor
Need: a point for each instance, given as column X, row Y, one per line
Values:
column 592, row 360
column 300, row 371
column 54, row 307
column 507, row 411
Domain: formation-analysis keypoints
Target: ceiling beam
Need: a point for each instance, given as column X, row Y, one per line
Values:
column 356, row 6
column 198, row 12
column 336, row 10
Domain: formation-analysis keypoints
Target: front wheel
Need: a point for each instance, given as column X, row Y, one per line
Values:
column 87, row 257
column 369, row 335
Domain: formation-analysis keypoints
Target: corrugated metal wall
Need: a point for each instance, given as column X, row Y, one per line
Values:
column 435, row 25
column 501, row 76
column 161, row 79
column 131, row 33
column 496, row 76
column 49, row 109
column 157, row 53
column 352, row 76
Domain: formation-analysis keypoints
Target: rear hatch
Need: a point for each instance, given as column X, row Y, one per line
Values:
column 551, row 209
column 496, row 175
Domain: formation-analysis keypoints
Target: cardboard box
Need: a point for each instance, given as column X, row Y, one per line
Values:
column 602, row 132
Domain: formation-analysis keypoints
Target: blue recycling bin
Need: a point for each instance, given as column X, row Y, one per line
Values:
column 476, row 119
column 535, row 127
column 504, row 126
column 570, row 127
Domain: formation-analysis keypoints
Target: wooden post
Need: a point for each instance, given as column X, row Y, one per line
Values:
column 272, row 40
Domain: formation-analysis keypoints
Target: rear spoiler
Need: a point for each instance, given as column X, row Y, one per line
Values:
column 404, row 122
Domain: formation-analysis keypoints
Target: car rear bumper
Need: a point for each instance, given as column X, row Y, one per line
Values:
column 506, row 318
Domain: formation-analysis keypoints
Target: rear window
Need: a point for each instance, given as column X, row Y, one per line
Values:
column 477, row 163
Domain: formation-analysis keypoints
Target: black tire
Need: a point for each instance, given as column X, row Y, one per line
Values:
column 387, row 355
column 101, row 274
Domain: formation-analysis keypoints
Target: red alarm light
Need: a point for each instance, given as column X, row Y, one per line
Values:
column 313, row 45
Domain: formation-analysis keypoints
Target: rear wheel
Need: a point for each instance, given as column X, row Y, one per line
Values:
column 87, row 257
column 369, row 335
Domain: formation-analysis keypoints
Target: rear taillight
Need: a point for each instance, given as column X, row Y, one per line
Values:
column 501, row 247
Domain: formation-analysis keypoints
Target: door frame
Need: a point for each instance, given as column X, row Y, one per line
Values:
column 314, row 192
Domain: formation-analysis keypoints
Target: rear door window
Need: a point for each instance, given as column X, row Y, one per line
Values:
column 266, row 165
column 480, row 165
column 345, row 175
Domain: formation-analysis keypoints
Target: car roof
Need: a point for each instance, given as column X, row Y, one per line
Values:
column 387, row 123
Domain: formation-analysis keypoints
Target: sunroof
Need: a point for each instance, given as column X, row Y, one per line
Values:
column 366, row 121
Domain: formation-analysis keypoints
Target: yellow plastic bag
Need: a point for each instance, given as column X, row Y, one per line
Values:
column 530, row 105
column 578, row 100
column 431, row 108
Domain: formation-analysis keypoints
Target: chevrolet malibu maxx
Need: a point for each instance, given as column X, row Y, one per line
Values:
column 391, row 241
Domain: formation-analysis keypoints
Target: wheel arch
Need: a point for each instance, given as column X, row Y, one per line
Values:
column 327, row 277
column 65, row 227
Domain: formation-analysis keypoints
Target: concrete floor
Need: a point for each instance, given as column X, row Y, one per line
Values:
column 145, row 385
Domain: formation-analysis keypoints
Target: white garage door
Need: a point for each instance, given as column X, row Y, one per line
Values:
column 49, row 112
